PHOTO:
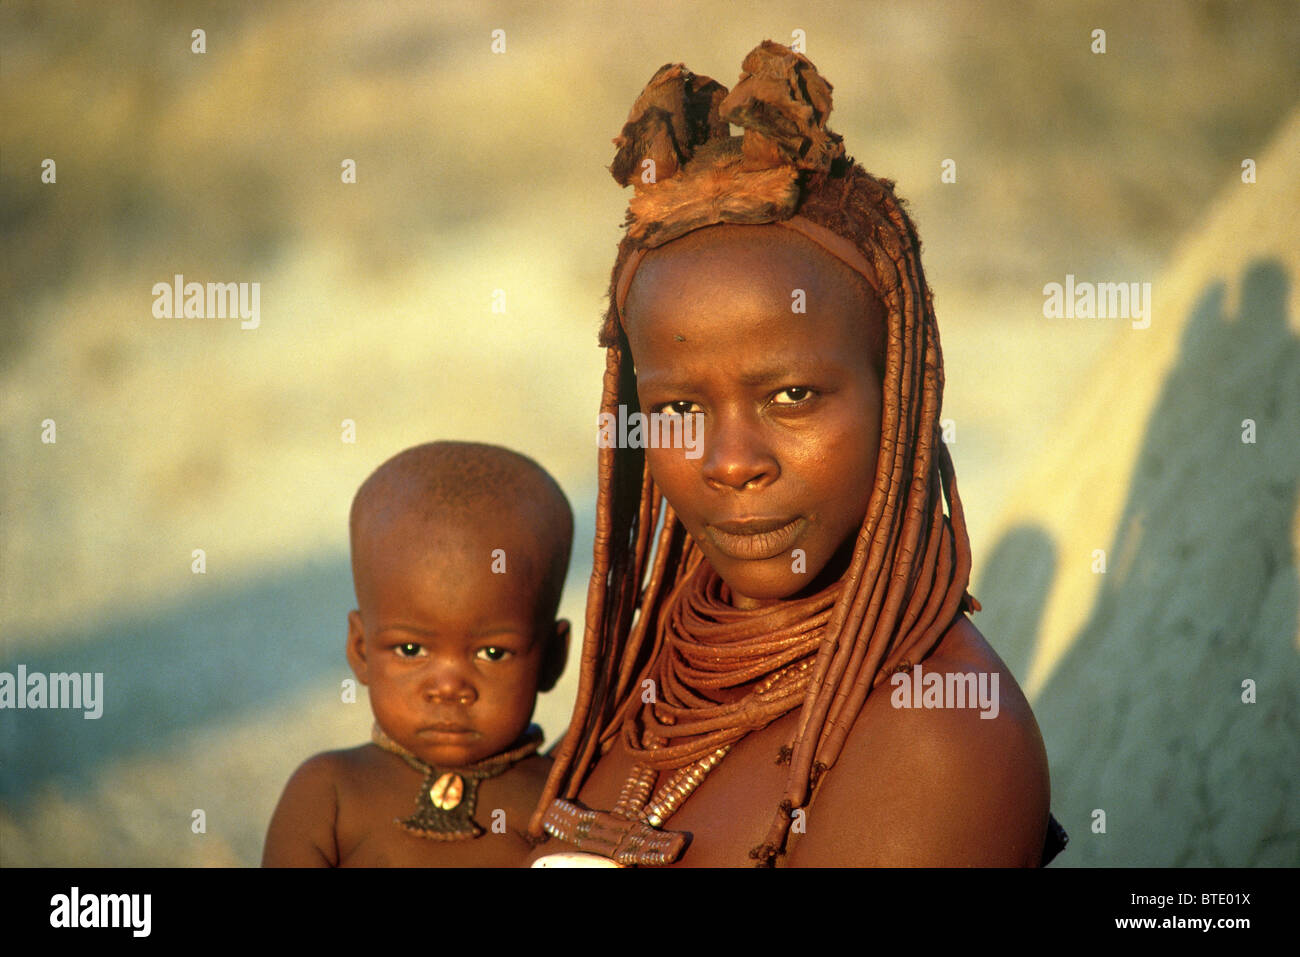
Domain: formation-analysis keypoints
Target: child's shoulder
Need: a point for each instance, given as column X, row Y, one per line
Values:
column 335, row 767
column 303, row 829
column 947, row 768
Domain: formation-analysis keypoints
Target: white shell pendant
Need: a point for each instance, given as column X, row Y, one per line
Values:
column 575, row 859
column 447, row 791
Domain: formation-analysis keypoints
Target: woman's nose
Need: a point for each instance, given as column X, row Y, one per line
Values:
column 736, row 454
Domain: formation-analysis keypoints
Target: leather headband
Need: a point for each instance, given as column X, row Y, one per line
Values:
column 835, row 244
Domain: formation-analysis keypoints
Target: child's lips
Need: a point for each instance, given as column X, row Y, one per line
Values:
column 448, row 733
column 755, row 539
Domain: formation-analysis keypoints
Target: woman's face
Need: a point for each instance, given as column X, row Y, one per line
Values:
column 764, row 336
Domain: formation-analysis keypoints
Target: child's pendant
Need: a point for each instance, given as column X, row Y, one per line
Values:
column 444, row 808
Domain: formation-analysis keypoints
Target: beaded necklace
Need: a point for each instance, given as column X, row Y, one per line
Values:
column 444, row 808
column 706, row 645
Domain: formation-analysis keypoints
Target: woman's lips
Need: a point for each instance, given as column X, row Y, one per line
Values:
column 755, row 539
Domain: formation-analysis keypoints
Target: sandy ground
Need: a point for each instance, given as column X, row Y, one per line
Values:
column 480, row 172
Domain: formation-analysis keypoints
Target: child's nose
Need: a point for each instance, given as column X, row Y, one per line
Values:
column 447, row 682
column 735, row 453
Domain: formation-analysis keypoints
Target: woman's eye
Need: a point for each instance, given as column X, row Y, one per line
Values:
column 792, row 396
column 409, row 650
column 493, row 653
column 680, row 407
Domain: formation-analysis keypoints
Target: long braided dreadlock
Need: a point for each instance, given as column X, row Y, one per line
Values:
column 911, row 563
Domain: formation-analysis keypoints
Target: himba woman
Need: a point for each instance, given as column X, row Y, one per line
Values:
column 749, row 605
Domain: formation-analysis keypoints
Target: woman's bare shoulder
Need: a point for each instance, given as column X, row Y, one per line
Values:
column 944, row 766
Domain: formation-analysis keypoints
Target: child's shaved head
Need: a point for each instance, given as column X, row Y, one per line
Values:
column 443, row 495
column 459, row 552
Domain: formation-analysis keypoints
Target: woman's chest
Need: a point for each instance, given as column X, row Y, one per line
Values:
column 728, row 814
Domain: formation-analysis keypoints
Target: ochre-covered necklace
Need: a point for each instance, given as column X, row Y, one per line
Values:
column 632, row 833
column 444, row 808
column 706, row 645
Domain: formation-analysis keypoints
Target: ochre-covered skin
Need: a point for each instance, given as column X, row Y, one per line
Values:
column 936, row 788
column 791, row 404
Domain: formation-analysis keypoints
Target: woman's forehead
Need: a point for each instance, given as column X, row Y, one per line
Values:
column 762, row 264
column 761, row 254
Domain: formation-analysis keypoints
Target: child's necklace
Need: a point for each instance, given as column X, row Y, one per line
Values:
column 444, row 808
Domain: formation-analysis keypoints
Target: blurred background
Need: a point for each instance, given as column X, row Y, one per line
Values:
column 479, row 171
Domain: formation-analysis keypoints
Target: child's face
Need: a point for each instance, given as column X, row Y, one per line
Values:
column 789, row 401
column 453, row 653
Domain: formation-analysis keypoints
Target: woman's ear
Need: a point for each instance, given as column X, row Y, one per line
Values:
column 356, row 646
column 555, row 657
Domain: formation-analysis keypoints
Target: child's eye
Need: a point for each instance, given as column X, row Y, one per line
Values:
column 680, row 407
column 409, row 650
column 493, row 653
column 794, row 395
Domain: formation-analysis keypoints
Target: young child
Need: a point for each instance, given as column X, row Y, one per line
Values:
column 731, row 708
column 459, row 553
